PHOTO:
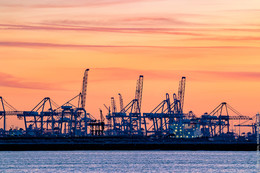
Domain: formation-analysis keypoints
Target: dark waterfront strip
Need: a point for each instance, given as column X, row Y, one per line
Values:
column 120, row 143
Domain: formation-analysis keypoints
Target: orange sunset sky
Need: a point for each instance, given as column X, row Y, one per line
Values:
column 46, row 45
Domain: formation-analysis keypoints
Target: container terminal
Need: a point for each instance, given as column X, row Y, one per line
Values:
column 49, row 126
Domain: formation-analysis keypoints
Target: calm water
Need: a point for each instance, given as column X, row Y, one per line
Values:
column 127, row 161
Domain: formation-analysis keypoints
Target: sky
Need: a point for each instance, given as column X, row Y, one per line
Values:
column 46, row 45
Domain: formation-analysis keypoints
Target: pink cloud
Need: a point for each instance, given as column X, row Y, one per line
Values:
column 7, row 80
column 89, row 26
column 108, row 74
column 242, row 10
column 153, row 20
column 68, row 4
column 142, row 30
column 228, row 38
column 82, row 46
column 237, row 75
column 121, row 74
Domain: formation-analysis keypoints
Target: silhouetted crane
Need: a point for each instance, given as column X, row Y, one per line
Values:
column 84, row 89
column 138, row 94
column 223, row 117
column 181, row 93
column 3, row 112
column 113, row 105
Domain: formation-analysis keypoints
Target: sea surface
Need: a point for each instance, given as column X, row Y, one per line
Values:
column 128, row 161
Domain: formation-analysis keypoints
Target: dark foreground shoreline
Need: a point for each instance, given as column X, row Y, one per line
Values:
column 119, row 143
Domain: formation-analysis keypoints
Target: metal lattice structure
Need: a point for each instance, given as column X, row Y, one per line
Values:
column 42, row 118
column 217, row 122
column 121, row 102
column 166, row 120
column 6, row 109
column 129, row 120
column 83, row 93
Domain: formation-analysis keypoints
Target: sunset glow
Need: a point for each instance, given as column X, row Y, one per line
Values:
column 45, row 46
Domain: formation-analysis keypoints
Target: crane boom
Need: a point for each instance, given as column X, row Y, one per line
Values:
column 121, row 102
column 83, row 93
column 101, row 116
column 138, row 93
column 113, row 105
column 240, row 117
column 108, row 108
column 181, row 92
column 223, row 110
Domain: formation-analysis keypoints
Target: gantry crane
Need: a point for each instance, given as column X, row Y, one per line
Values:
column 221, row 117
column 160, row 117
column 81, row 97
column 3, row 112
column 41, row 117
column 253, row 125
column 128, row 121
column 178, row 99
column 166, row 115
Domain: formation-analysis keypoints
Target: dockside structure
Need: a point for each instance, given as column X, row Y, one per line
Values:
column 166, row 120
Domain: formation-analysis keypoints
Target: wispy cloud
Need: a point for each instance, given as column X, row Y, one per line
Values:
column 242, row 10
column 240, row 29
column 83, row 46
column 141, row 30
column 173, row 20
column 229, row 38
column 236, row 75
column 169, row 28
column 121, row 74
column 7, row 80
column 106, row 74
column 68, row 4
